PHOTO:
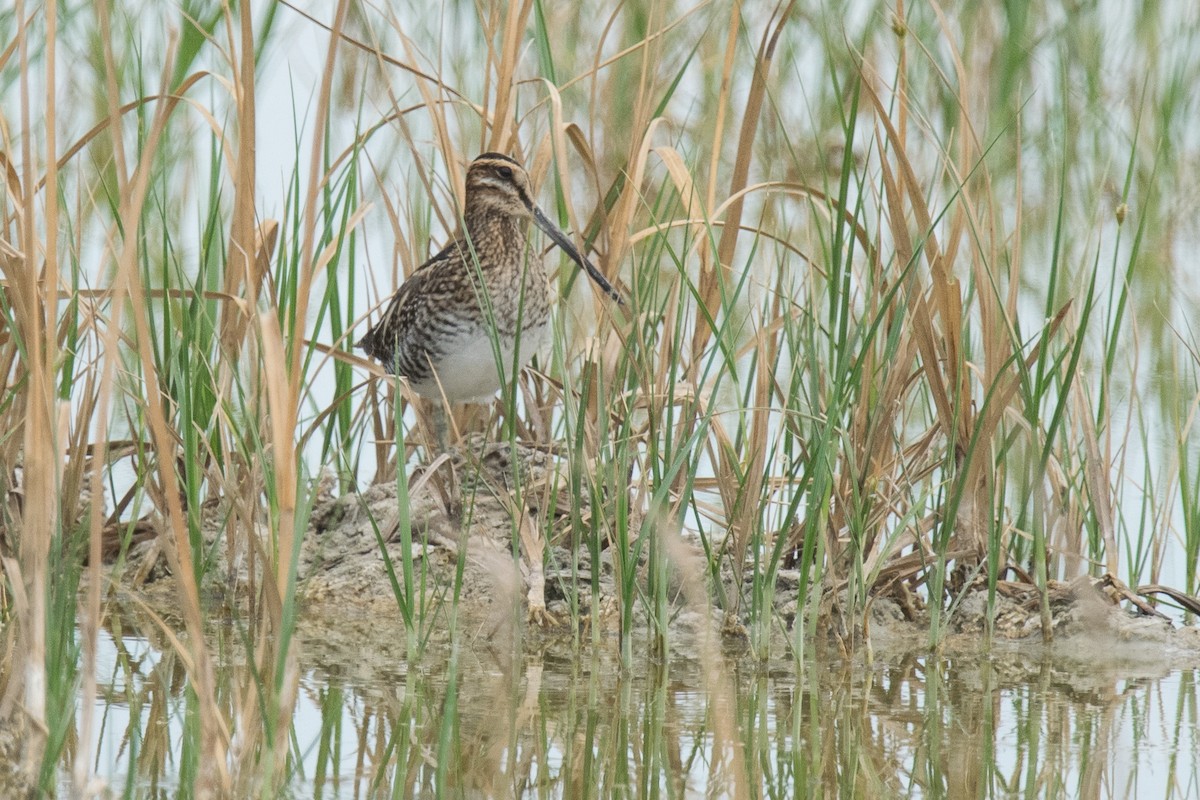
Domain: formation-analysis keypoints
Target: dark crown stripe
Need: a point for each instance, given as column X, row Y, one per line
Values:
column 496, row 157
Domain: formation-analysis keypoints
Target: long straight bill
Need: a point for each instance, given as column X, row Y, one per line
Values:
column 562, row 241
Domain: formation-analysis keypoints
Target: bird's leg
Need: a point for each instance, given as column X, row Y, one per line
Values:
column 441, row 427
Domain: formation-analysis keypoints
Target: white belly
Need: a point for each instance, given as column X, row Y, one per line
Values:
column 471, row 370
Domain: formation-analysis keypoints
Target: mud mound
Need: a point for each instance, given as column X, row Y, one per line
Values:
column 472, row 510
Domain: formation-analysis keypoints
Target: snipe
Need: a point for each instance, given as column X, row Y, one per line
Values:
column 481, row 306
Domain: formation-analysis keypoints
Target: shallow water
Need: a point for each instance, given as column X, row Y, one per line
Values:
column 482, row 721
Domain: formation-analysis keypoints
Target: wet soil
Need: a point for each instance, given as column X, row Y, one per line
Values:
column 466, row 513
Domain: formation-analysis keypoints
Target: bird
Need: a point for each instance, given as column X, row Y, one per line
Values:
column 480, row 308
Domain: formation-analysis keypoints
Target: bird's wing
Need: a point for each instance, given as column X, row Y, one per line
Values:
column 439, row 268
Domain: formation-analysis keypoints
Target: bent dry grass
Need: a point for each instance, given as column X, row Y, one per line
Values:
column 901, row 321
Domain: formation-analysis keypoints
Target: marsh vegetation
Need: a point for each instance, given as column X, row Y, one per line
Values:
column 907, row 373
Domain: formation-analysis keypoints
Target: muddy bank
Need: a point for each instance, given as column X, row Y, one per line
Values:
column 467, row 513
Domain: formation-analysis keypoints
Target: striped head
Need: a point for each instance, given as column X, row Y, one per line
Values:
column 498, row 184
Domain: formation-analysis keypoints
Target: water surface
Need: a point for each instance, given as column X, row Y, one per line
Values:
column 487, row 721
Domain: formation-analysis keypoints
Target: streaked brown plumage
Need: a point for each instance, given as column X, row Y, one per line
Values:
column 466, row 311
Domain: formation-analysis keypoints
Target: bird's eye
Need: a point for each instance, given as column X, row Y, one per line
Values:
column 504, row 172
